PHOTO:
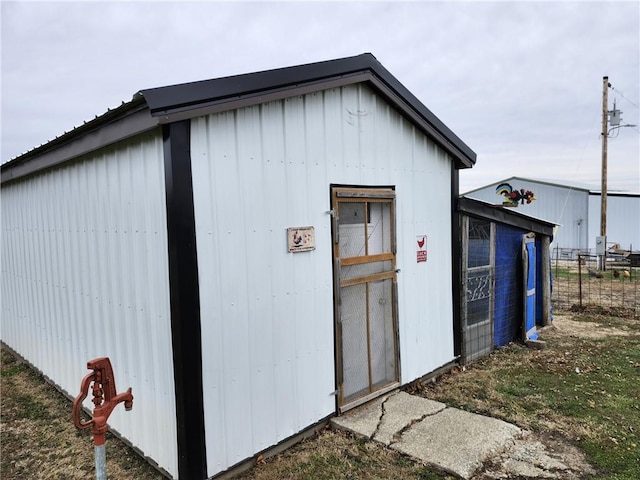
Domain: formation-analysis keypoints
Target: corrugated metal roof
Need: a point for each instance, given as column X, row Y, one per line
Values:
column 178, row 98
column 155, row 106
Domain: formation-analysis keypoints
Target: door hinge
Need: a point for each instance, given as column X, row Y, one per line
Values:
column 331, row 212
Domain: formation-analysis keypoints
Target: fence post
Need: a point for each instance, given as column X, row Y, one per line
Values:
column 580, row 279
column 546, row 281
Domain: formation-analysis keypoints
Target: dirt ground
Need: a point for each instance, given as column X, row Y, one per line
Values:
column 538, row 456
column 566, row 325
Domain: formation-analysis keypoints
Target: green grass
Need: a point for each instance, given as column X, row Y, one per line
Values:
column 30, row 409
column 586, row 389
column 564, row 273
column 14, row 369
column 598, row 389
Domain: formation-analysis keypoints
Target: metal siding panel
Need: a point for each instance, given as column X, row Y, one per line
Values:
column 267, row 315
column 623, row 226
column 333, row 144
column 350, row 139
column 427, row 308
column 219, row 291
column 320, row 338
column 86, row 250
column 282, row 338
column 242, row 346
column 273, row 354
column 300, row 201
column 210, row 281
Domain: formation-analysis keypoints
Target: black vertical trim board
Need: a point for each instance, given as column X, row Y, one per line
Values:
column 456, row 250
column 185, row 301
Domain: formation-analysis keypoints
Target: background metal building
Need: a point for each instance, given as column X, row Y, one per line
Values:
column 623, row 219
column 160, row 235
column 576, row 211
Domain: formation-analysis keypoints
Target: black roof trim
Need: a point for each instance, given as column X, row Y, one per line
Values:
column 615, row 193
column 117, row 124
column 498, row 213
column 176, row 100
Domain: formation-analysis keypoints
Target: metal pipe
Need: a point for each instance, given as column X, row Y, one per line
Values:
column 101, row 462
column 105, row 400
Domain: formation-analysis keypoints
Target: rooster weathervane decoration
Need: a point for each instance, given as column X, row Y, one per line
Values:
column 514, row 197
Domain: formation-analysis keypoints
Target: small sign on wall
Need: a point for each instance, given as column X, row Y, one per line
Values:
column 421, row 248
column 301, row 239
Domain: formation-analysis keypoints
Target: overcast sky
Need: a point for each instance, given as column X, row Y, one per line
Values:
column 519, row 82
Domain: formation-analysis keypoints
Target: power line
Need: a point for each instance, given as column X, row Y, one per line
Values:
column 622, row 95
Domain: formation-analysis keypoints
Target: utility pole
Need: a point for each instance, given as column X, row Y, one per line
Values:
column 603, row 190
column 601, row 241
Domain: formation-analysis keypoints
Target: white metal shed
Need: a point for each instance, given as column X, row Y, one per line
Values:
column 255, row 253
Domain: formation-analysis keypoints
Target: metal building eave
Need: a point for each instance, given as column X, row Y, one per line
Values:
column 615, row 193
column 188, row 100
column 498, row 213
column 127, row 120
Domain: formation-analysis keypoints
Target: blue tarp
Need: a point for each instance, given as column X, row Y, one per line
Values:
column 508, row 285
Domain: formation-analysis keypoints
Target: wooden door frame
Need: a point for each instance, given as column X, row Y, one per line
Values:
column 355, row 194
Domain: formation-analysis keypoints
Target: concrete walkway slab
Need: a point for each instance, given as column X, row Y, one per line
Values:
column 400, row 411
column 362, row 420
column 457, row 441
column 384, row 418
column 460, row 442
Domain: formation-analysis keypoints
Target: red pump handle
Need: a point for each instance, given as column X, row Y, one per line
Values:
column 77, row 403
column 105, row 398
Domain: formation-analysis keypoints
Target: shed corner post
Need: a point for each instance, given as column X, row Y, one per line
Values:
column 456, row 264
column 545, row 263
column 185, row 301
